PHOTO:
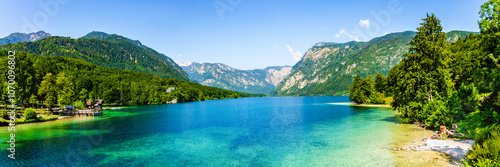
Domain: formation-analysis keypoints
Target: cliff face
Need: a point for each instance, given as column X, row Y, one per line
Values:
column 259, row 81
column 329, row 68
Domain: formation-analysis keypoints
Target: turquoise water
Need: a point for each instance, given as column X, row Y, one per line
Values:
column 271, row 131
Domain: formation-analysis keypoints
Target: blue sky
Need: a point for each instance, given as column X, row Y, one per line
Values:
column 244, row 34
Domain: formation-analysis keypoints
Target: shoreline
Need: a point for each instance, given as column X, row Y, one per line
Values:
column 409, row 148
column 363, row 105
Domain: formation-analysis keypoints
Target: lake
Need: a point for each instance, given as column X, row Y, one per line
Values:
column 270, row 131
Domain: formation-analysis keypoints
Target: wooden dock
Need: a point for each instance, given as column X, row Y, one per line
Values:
column 81, row 112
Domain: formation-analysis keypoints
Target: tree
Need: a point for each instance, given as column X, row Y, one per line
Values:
column 33, row 99
column 49, row 89
column 355, row 92
column 368, row 88
column 426, row 76
column 490, row 27
column 381, row 83
column 66, row 89
column 25, row 77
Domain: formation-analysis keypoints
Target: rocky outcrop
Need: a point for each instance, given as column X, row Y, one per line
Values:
column 23, row 37
column 258, row 81
column 328, row 68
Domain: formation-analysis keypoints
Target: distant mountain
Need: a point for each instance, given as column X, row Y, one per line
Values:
column 23, row 37
column 328, row 68
column 259, row 81
column 106, row 50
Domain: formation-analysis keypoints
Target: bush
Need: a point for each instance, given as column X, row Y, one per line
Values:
column 4, row 115
column 29, row 114
column 487, row 150
column 435, row 114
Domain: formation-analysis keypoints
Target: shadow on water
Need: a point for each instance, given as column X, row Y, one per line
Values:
column 394, row 119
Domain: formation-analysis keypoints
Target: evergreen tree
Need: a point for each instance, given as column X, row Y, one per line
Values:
column 355, row 92
column 426, row 76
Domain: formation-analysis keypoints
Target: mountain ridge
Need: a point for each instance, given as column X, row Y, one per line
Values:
column 259, row 81
column 23, row 37
column 327, row 68
column 111, row 51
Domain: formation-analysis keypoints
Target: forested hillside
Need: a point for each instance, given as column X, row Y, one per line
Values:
column 111, row 51
column 64, row 81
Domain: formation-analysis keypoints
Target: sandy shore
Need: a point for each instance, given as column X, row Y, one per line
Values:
column 362, row 105
column 456, row 148
column 409, row 149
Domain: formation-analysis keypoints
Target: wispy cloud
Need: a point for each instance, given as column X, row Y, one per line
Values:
column 184, row 63
column 180, row 55
column 343, row 32
column 364, row 23
column 296, row 55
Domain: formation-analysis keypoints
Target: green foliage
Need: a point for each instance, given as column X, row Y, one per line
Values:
column 377, row 98
column 381, row 84
column 49, row 89
column 486, row 151
column 463, row 101
column 66, row 90
column 79, row 104
column 363, row 91
column 29, row 113
column 423, row 75
column 356, row 94
column 435, row 113
column 4, row 114
column 111, row 51
column 60, row 79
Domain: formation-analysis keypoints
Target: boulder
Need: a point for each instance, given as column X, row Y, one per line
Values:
column 424, row 139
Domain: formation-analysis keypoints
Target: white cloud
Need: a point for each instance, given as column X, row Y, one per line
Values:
column 184, row 63
column 364, row 23
column 343, row 32
column 296, row 55
column 180, row 55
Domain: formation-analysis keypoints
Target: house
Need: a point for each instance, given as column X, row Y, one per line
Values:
column 69, row 108
column 95, row 103
column 170, row 89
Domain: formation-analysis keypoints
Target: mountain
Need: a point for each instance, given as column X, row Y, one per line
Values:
column 328, row 68
column 23, row 37
column 106, row 50
column 82, row 80
column 258, row 81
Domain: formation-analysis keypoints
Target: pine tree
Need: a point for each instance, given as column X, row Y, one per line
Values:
column 425, row 76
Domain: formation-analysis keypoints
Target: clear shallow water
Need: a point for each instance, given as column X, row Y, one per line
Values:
column 284, row 131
